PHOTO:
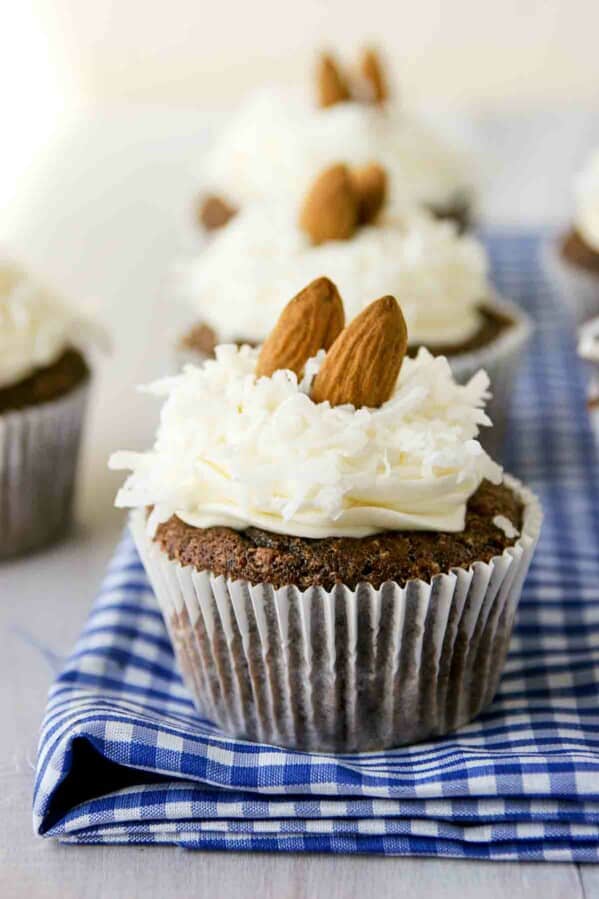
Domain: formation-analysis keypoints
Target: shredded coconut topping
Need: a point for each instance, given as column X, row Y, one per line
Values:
column 238, row 451
column 242, row 280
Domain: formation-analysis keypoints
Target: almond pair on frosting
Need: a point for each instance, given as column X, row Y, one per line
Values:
column 363, row 359
column 341, row 199
column 369, row 83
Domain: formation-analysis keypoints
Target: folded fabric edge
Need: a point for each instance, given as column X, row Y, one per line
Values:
column 539, row 850
column 64, row 780
column 426, row 828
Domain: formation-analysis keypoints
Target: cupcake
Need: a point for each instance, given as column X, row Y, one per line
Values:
column 344, row 228
column 337, row 560
column 279, row 140
column 573, row 262
column 44, row 384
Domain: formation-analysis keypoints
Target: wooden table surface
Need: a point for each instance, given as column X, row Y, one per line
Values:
column 102, row 214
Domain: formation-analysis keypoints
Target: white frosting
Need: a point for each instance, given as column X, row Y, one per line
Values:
column 586, row 218
column 35, row 328
column 235, row 451
column 242, row 280
column 279, row 141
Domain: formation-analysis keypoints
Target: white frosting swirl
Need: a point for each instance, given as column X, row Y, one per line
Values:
column 242, row 280
column 586, row 218
column 279, row 141
column 235, row 451
column 35, row 328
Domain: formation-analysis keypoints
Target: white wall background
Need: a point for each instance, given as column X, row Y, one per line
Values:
column 59, row 56
column 489, row 51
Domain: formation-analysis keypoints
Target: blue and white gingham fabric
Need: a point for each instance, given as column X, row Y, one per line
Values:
column 123, row 757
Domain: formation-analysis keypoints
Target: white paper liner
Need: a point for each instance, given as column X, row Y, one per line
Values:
column 593, row 408
column 342, row 670
column 588, row 350
column 39, row 448
column 578, row 288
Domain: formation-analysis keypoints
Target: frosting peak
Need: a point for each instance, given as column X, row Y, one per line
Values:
column 237, row 451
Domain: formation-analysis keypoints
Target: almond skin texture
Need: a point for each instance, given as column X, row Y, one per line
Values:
column 312, row 320
column 330, row 210
column 372, row 72
column 332, row 86
column 214, row 212
column 370, row 185
column 362, row 366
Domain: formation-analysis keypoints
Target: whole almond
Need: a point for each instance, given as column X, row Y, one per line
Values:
column 214, row 212
column 370, row 185
column 362, row 366
column 309, row 322
column 372, row 71
column 332, row 86
column 330, row 210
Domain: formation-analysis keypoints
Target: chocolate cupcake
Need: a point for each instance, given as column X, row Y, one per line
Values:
column 44, row 384
column 280, row 139
column 344, row 228
column 337, row 559
column 572, row 261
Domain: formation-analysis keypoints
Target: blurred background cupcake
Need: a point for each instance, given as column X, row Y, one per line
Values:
column 346, row 229
column 280, row 139
column 573, row 261
column 299, row 515
column 44, row 384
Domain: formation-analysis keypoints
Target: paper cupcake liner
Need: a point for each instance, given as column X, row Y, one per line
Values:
column 342, row 670
column 501, row 360
column 578, row 288
column 39, row 448
column 588, row 350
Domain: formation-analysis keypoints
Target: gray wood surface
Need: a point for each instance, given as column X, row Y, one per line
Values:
column 103, row 216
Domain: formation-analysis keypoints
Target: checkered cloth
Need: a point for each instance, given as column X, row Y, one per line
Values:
column 123, row 757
